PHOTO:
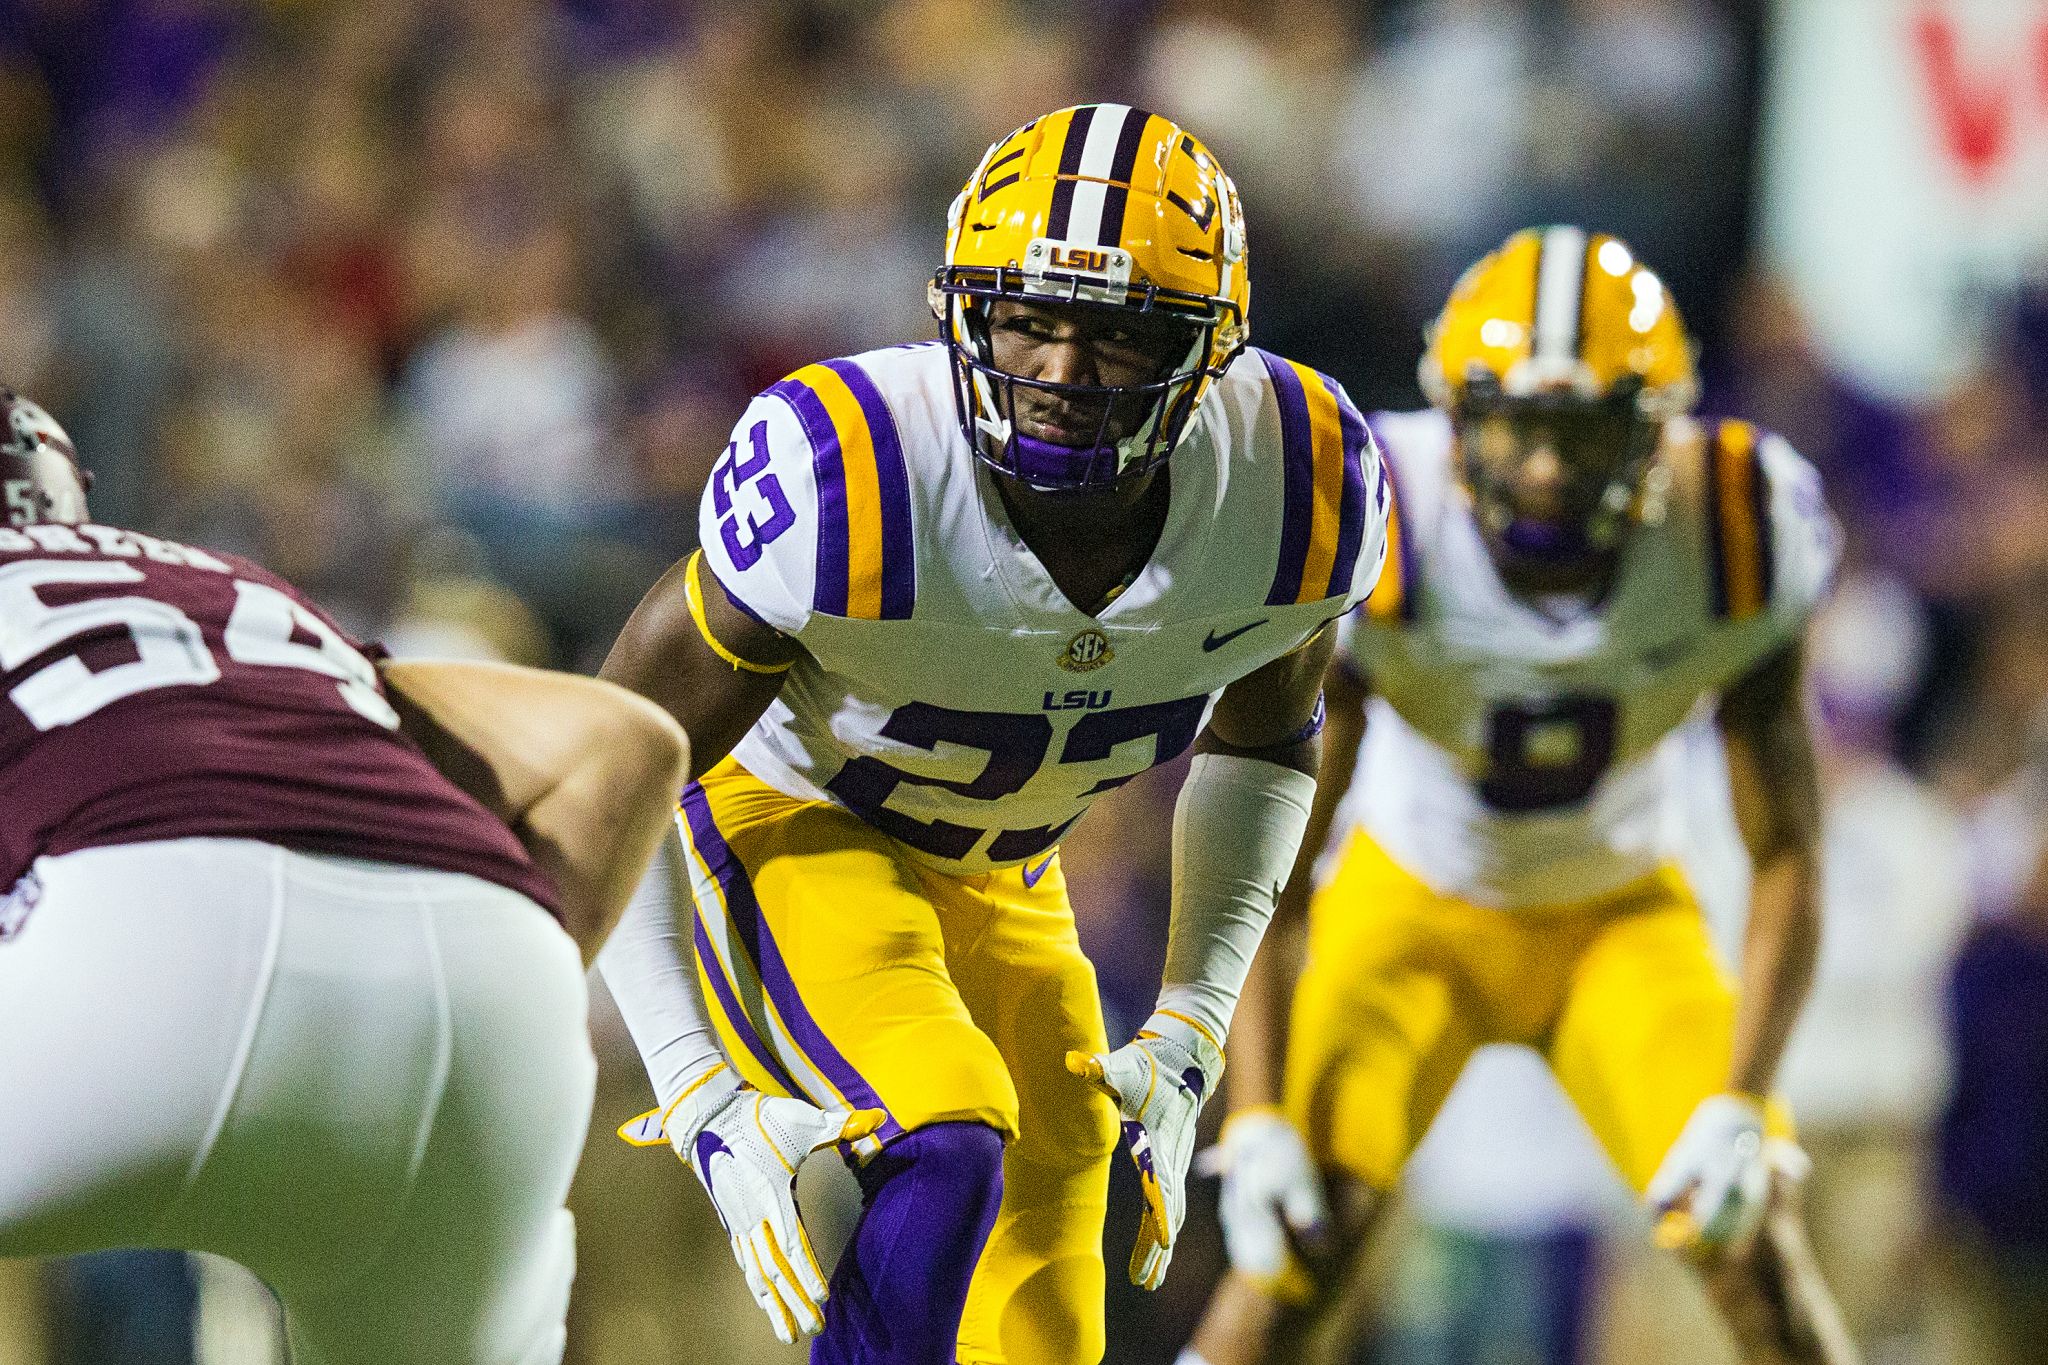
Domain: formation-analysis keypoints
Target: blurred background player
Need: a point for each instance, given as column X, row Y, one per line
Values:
column 1577, row 563
column 949, row 593
column 271, row 985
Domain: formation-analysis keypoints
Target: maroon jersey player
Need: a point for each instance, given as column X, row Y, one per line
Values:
column 283, row 969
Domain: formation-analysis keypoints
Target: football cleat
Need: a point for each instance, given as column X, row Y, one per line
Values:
column 1106, row 206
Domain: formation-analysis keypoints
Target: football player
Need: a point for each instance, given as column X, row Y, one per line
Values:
column 1578, row 565
column 950, row 593
column 271, row 984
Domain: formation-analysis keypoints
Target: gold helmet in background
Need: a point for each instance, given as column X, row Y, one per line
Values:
column 1561, row 313
column 1560, row 325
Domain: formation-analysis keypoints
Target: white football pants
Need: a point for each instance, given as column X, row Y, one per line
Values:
column 367, row 1083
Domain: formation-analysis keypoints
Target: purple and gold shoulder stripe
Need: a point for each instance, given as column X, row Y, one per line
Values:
column 867, row 566
column 1738, row 522
column 1325, row 498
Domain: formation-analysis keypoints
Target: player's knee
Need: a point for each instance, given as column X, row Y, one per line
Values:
column 1079, row 1136
column 962, row 1161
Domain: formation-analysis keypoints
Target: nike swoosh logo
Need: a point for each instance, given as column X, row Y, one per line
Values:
column 1215, row 642
column 708, row 1145
column 1032, row 874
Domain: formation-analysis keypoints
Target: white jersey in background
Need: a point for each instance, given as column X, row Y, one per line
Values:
column 949, row 695
column 1515, row 754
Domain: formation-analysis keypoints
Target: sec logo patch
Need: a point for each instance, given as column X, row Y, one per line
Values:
column 1086, row 652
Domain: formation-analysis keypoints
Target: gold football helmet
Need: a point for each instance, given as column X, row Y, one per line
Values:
column 1564, row 329
column 1106, row 206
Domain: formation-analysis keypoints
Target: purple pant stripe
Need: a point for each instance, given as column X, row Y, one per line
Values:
column 828, row 594
column 743, row 1025
column 1298, row 460
column 751, row 926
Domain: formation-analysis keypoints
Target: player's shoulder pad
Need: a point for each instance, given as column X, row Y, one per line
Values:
column 1772, row 545
column 808, row 510
column 1332, row 532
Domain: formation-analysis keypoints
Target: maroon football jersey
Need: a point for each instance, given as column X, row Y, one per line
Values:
column 149, row 691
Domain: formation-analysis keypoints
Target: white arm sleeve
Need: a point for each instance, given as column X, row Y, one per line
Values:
column 1236, row 829
column 650, row 967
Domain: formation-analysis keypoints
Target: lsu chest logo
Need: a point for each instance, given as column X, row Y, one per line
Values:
column 1087, row 652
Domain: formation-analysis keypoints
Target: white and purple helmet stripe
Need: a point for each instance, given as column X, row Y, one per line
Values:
column 1095, row 169
column 1560, row 296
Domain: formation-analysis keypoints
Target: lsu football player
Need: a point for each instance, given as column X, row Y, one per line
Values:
column 950, row 593
column 1578, row 565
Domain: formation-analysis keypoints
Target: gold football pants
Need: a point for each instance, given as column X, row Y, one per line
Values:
column 842, row 971
column 1621, row 993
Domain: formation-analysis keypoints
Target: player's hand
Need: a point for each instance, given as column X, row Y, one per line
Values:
column 1273, row 1199
column 1712, row 1190
column 1158, row 1081
column 746, row 1147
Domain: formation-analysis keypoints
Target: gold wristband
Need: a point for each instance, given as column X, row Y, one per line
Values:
column 693, row 592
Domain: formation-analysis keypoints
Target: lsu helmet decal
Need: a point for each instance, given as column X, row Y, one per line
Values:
column 39, row 474
column 1562, row 322
column 1107, row 206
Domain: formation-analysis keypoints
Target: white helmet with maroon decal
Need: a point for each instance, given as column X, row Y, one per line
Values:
column 39, row 474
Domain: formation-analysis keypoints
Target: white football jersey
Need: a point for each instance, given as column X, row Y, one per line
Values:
column 948, row 694
column 1514, row 753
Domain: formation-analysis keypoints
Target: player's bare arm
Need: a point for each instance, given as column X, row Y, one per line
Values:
column 585, row 773
column 1769, row 1287
column 715, row 678
column 1275, row 713
column 1777, row 807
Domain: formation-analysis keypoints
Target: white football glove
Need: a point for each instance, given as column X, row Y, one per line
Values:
column 1272, row 1198
column 1158, row 1080
column 746, row 1147
column 1714, row 1186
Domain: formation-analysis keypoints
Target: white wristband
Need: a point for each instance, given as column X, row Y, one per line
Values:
column 1236, row 829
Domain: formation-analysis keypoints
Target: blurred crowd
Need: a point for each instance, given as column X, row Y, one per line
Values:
column 443, row 309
